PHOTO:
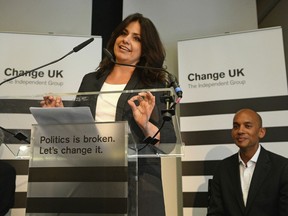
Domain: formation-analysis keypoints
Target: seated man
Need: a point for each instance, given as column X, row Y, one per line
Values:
column 254, row 181
column 7, row 187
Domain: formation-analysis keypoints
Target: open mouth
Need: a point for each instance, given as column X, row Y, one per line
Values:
column 124, row 48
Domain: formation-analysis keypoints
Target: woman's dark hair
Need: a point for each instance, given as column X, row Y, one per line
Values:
column 153, row 52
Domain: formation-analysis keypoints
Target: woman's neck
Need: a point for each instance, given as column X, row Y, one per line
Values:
column 120, row 75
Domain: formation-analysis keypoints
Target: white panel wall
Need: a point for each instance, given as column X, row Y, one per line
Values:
column 42, row 16
column 186, row 19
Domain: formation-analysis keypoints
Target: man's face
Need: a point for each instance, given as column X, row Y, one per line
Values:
column 247, row 131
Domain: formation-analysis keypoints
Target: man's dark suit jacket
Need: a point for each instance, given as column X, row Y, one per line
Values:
column 268, row 193
column 7, row 187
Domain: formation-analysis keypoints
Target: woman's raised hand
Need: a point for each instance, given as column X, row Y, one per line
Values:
column 142, row 111
column 51, row 101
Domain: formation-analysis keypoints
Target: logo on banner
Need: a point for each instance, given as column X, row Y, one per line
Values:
column 34, row 77
column 208, row 80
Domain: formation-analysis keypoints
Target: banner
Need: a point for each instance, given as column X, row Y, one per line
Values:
column 220, row 75
column 234, row 65
column 23, row 52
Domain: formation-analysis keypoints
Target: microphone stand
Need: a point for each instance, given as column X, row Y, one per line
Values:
column 27, row 72
column 170, row 110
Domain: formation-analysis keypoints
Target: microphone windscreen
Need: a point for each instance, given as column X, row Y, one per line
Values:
column 82, row 45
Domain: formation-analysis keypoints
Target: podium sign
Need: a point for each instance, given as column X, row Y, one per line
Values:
column 78, row 169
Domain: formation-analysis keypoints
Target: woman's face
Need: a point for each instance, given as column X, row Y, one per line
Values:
column 127, row 47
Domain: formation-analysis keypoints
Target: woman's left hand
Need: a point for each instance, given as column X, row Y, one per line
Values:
column 142, row 111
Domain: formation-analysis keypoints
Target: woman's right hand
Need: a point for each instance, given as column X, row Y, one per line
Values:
column 51, row 101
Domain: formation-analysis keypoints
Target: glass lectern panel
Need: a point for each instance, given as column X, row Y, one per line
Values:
column 81, row 169
column 165, row 112
column 81, row 166
column 170, row 147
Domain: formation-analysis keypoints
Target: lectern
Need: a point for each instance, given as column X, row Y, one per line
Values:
column 81, row 167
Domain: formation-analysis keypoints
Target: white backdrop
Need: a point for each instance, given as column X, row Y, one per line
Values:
column 256, row 58
column 21, row 52
column 71, row 17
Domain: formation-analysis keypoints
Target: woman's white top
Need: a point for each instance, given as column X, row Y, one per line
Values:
column 107, row 103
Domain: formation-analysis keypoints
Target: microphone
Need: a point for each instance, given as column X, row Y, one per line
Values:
column 82, row 45
column 173, row 82
column 75, row 49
